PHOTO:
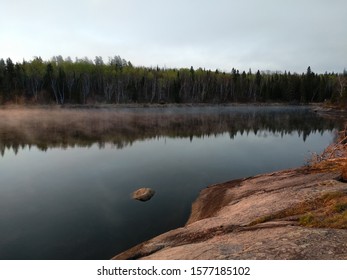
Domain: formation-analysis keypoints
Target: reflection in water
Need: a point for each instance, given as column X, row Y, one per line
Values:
column 121, row 127
column 73, row 201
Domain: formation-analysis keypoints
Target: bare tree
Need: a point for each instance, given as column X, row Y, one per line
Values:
column 85, row 86
column 35, row 70
column 342, row 82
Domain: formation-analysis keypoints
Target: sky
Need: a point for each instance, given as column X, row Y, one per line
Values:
column 275, row 35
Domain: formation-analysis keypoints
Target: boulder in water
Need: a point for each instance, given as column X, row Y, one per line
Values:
column 143, row 194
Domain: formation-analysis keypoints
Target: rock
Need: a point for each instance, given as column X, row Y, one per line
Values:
column 344, row 173
column 143, row 194
column 256, row 218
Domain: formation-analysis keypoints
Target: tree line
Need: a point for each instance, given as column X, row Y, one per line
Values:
column 86, row 81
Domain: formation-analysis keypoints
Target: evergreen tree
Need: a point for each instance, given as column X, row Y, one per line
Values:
column 118, row 81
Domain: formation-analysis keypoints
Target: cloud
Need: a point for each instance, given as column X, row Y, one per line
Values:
column 214, row 34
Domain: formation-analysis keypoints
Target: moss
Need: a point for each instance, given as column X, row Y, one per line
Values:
column 306, row 219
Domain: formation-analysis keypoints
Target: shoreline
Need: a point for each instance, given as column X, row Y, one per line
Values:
column 152, row 105
column 268, row 216
column 298, row 213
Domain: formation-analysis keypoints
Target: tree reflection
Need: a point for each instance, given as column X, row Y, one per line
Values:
column 63, row 128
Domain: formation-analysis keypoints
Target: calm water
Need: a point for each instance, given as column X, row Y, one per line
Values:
column 66, row 195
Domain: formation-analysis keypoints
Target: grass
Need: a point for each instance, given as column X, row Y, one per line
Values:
column 344, row 173
column 263, row 219
column 331, row 214
column 340, row 207
column 327, row 211
column 334, row 157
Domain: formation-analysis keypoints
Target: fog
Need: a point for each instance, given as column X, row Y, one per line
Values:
column 49, row 127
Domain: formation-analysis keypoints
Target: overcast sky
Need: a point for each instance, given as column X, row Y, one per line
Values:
column 257, row 34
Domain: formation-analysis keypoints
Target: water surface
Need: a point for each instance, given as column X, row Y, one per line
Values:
column 66, row 175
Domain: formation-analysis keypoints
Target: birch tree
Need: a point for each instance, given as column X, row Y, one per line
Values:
column 35, row 71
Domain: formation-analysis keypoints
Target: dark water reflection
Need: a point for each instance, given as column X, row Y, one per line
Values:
column 66, row 176
column 121, row 127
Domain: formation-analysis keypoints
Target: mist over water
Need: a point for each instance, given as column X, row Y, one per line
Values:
column 67, row 174
column 62, row 128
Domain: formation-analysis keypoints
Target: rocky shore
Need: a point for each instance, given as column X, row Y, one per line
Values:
column 292, row 214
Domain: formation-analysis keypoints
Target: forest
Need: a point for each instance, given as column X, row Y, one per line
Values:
column 84, row 81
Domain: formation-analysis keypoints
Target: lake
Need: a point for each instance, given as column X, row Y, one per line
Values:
column 66, row 175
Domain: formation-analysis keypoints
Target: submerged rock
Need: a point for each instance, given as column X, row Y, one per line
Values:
column 143, row 194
